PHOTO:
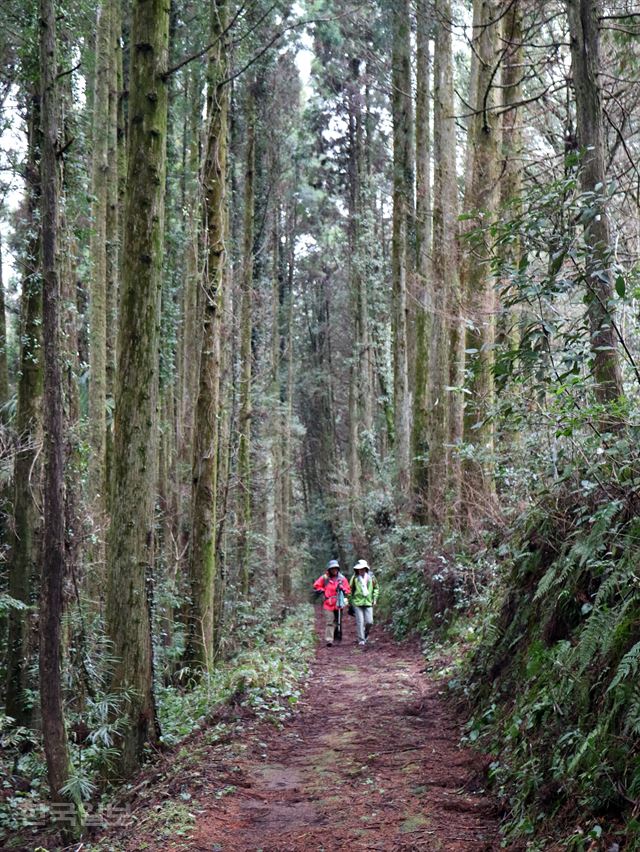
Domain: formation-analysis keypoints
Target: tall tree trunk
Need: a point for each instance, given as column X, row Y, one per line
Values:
column 190, row 341
column 402, row 248
column 99, row 261
column 447, row 419
column 424, row 288
column 355, row 291
column 130, row 543
column 511, row 171
column 585, row 64
column 286, row 487
column 447, row 338
column 4, row 370
column 481, row 199
column 113, row 228
column 278, row 420
column 246, row 354
column 26, row 514
column 225, row 447
column 273, row 496
column 68, row 278
column 54, row 732
column 366, row 357
column 202, row 548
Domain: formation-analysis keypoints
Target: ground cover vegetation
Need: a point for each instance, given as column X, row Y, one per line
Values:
column 285, row 281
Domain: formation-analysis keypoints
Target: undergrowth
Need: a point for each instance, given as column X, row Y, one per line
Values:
column 428, row 586
column 536, row 628
column 266, row 675
column 553, row 680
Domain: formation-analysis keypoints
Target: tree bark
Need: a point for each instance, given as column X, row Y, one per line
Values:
column 585, row 64
column 130, row 543
column 355, row 264
column 511, row 170
column 424, row 288
column 99, row 262
column 402, row 249
column 481, row 199
column 288, row 350
column 246, row 353
column 4, row 370
column 54, row 732
column 26, row 514
column 447, row 338
column 113, row 229
column 202, row 547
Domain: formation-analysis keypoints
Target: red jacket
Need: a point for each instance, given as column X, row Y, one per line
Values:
column 330, row 585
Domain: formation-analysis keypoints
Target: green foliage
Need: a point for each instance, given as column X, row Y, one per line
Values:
column 7, row 603
column 20, row 757
column 553, row 678
column 426, row 586
column 79, row 786
column 264, row 676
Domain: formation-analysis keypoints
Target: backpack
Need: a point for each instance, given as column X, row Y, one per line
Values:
column 340, row 595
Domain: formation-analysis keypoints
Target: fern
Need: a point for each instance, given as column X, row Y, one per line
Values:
column 79, row 787
column 616, row 581
column 549, row 580
column 587, row 745
column 617, row 635
column 7, row 603
column 628, row 666
column 632, row 716
column 492, row 633
column 599, row 625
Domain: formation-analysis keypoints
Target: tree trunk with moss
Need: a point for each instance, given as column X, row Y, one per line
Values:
column 202, row 546
column 225, row 443
column 584, row 32
column 4, row 370
column 246, row 353
column 23, row 559
column 402, row 243
column 113, row 229
column 424, row 288
column 355, row 273
column 190, row 331
column 287, row 348
column 446, row 339
column 447, row 420
column 130, row 543
column 481, row 200
column 99, row 250
column 56, row 746
column 512, row 65
column 68, row 277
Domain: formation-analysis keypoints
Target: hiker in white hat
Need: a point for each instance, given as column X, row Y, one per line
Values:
column 363, row 598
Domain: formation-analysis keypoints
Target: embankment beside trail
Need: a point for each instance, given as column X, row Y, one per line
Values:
column 553, row 685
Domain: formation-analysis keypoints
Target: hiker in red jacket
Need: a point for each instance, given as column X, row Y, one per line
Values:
column 335, row 588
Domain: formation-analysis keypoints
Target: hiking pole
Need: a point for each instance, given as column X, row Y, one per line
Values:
column 340, row 600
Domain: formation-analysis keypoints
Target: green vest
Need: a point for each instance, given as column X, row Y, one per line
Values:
column 358, row 596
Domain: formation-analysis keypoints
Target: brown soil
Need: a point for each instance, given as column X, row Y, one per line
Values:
column 369, row 761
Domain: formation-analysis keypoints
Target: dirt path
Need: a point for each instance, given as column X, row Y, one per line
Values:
column 369, row 762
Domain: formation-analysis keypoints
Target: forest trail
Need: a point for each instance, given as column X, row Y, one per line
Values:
column 369, row 761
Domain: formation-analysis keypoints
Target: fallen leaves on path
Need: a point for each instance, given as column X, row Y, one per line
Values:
column 370, row 760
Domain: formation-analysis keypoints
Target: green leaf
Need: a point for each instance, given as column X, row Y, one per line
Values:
column 621, row 288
